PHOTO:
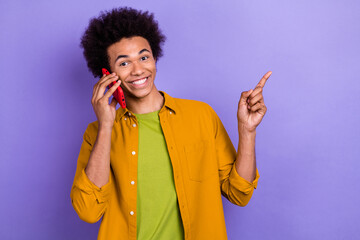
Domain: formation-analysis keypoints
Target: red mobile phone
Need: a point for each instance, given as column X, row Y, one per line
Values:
column 118, row 94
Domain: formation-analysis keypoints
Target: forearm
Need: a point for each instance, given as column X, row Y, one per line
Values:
column 245, row 159
column 98, row 167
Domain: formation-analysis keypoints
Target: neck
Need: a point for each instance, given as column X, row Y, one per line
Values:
column 151, row 103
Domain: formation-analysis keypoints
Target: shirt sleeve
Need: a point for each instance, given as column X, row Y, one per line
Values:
column 88, row 200
column 233, row 187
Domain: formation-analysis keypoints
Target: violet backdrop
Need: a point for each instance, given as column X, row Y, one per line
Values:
column 306, row 145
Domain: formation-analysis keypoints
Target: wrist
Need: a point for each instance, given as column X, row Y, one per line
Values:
column 105, row 127
column 244, row 131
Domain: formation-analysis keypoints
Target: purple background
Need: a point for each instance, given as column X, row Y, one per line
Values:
column 307, row 145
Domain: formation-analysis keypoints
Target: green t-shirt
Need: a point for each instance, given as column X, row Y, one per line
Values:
column 158, row 215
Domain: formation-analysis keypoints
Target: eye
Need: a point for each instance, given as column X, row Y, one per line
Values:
column 124, row 64
column 144, row 58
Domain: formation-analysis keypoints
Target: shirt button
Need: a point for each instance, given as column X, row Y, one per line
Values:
column 125, row 118
column 133, row 152
column 134, row 125
column 129, row 114
column 132, row 213
column 170, row 112
column 132, row 182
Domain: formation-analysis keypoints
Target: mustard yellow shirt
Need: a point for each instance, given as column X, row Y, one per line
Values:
column 202, row 157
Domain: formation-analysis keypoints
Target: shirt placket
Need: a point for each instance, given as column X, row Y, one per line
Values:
column 133, row 165
column 166, row 121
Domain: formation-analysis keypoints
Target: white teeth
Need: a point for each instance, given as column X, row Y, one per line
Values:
column 139, row 81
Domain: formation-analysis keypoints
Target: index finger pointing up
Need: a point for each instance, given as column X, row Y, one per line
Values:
column 264, row 79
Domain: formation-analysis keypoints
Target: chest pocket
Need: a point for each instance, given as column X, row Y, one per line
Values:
column 200, row 160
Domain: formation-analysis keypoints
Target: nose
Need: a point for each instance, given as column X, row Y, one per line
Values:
column 137, row 69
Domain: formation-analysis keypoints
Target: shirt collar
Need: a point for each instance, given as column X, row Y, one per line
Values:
column 169, row 103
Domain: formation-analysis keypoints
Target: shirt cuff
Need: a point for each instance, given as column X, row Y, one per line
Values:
column 242, row 184
column 85, row 184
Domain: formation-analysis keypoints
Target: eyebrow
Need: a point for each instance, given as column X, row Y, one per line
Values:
column 126, row 56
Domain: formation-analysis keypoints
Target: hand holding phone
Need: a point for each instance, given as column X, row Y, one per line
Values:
column 119, row 93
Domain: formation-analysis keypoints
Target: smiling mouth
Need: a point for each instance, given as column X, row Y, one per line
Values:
column 139, row 81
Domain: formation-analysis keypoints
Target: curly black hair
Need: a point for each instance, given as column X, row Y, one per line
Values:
column 110, row 27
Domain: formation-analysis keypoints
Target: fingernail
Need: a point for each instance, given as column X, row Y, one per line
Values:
column 113, row 74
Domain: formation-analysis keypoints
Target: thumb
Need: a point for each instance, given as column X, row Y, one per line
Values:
column 113, row 102
column 245, row 95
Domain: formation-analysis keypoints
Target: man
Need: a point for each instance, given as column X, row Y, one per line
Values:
column 157, row 168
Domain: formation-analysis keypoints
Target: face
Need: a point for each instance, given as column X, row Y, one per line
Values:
column 132, row 60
